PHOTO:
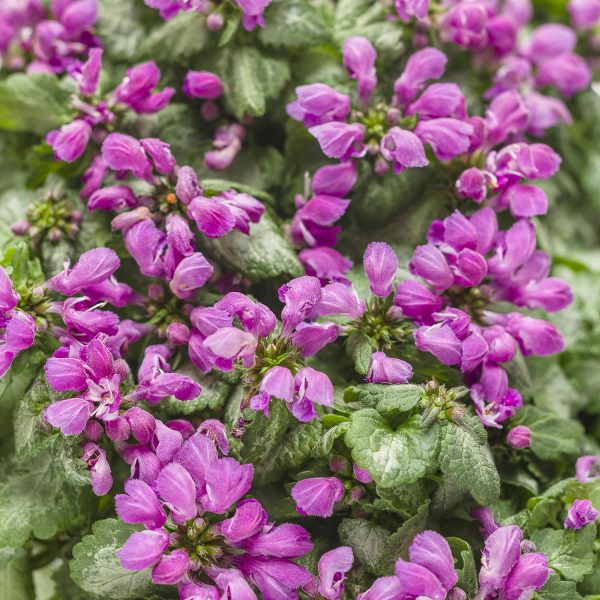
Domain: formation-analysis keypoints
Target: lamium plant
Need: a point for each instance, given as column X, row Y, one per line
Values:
column 299, row 300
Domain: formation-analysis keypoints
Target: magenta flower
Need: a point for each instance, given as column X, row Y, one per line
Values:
column 202, row 84
column 359, row 59
column 316, row 496
column 408, row 9
column 17, row 328
column 340, row 140
column 384, row 369
column 429, row 573
column 586, row 468
column 332, row 567
column 580, row 513
column 519, row 437
column 318, row 103
column 193, row 489
column 505, row 572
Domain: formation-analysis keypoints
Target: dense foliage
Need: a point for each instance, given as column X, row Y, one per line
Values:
column 299, row 299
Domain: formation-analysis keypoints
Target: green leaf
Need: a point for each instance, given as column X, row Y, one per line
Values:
column 120, row 28
column 323, row 447
column 386, row 399
column 178, row 125
column 294, row 449
column 216, row 186
column 465, row 456
column 392, row 456
column 263, row 434
column 400, row 541
column 36, row 498
column 15, row 575
column 363, row 17
column 552, row 438
column 467, row 572
column 95, row 566
column 13, row 387
column 21, row 97
column 570, row 552
column 557, row 589
column 251, row 78
column 359, row 347
column 405, row 499
column 293, row 24
column 177, row 39
column 368, row 541
column 263, row 254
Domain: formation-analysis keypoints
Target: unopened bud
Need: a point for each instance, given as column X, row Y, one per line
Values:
column 20, row 228
column 338, row 464
column 215, row 21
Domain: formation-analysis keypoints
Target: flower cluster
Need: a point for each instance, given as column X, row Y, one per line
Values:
column 188, row 542
column 96, row 113
column 392, row 133
column 216, row 12
column 220, row 399
column 42, row 40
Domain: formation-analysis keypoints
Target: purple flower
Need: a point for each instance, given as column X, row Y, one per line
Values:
column 140, row 504
column 312, row 337
column 333, row 566
column 447, row 137
column 380, row 265
column 584, row 13
column 440, row 341
column 407, row 9
column 428, row 574
column 416, row 300
column 325, row 263
column 550, row 40
column 585, row 466
column 136, row 89
column 580, row 513
column 472, row 184
column 202, row 84
column 340, row 140
column 252, row 12
column 429, row 263
column 403, row 148
column 388, row 370
column 519, row 437
column 227, row 144
column 440, row 100
column 422, row 66
column 94, row 373
column 230, row 344
column 125, row 153
column 339, row 298
column 190, row 274
column 300, row 296
column 318, row 103
column 312, row 387
column 334, row 180
column 316, row 496
column 313, row 221
column 95, row 459
column 504, row 571
column 70, row 141
column 143, row 548
column 17, row 328
column 568, row 73
column 465, row 24
column 359, row 59
column 93, row 267
column 506, row 115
